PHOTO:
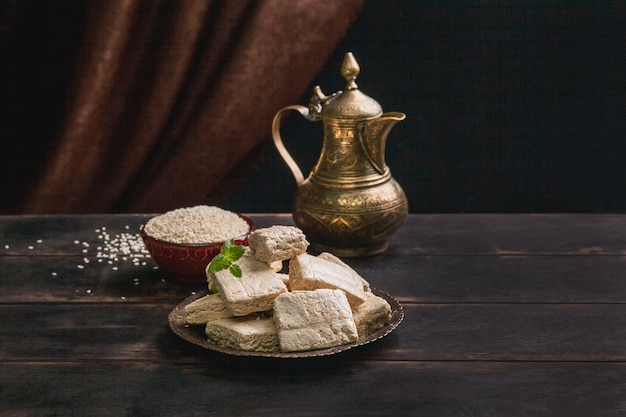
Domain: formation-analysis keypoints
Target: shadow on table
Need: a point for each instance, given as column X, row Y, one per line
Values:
column 226, row 366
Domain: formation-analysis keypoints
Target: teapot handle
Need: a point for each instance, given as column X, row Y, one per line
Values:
column 278, row 142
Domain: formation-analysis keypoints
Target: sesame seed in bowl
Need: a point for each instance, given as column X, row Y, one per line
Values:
column 183, row 241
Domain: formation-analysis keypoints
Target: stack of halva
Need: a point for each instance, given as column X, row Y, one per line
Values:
column 322, row 302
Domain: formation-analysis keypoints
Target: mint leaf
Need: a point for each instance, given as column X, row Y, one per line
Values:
column 226, row 246
column 229, row 253
column 235, row 270
column 235, row 252
column 218, row 263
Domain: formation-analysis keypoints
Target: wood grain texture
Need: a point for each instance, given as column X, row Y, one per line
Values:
column 424, row 234
column 369, row 388
column 421, row 279
column 504, row 315
column 511, row 235
column 455, row 332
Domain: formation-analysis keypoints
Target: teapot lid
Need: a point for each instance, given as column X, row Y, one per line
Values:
column 352, row 103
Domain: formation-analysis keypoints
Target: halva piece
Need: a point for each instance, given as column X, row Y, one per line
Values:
column 308, row 272
column 251, row 333
column 277, row 243
column 373, row 314
column 254, row 291
column 308, row 320
column 332, row 258
column 208, row 308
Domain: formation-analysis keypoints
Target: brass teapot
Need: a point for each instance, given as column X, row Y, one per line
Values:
column 349, row 205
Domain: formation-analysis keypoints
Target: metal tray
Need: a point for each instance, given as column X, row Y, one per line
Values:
column 195, row 334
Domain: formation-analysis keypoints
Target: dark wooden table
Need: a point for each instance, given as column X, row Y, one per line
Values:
column 506, row 315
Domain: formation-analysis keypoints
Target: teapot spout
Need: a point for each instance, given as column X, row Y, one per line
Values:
column 373, row 136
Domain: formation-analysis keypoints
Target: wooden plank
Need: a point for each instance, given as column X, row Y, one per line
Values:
column 423, row 279
column 57, row 235
column 497, row 279
column 517, row 332
column 318, row 388
column 88, row 332
column 422, row 234
column 44, row 279
column 454, row 332
column 510, row 234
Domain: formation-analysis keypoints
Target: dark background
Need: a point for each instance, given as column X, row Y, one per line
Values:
column 511, row 107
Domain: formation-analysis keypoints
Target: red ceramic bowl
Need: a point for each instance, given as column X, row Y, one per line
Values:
column 188, row 262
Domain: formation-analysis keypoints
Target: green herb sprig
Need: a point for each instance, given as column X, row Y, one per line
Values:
column 229, row 253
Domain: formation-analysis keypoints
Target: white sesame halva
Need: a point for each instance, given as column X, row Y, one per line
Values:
column 198, row 224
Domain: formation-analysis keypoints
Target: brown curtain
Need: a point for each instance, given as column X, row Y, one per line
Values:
column 164, row 101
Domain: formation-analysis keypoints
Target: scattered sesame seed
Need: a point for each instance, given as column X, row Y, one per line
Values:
column 54, row 274
column 112, row 248
column 39, row 241
column 31, row 247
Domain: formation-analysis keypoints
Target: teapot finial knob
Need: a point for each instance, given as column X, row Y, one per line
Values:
column 350, row 70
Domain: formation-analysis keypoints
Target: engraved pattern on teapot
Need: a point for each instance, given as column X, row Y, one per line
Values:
column 340, row 154
column 349, row 204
